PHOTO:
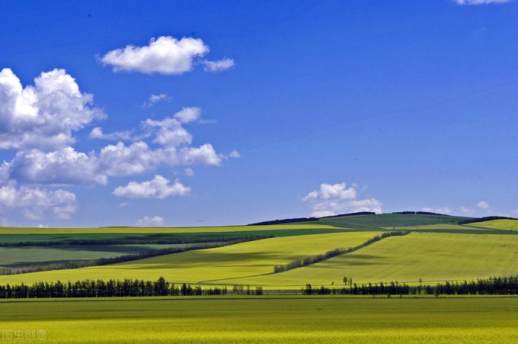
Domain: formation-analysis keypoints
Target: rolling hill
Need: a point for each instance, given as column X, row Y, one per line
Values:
column 436, row 248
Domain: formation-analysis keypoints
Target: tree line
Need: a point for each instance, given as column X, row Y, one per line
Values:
column 161, row 287
column 308, row 219
column 297, row 263
column 114, row 288
column 489, row 286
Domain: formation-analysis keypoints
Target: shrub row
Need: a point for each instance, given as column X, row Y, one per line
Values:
column 490, row 286
column 100, row 288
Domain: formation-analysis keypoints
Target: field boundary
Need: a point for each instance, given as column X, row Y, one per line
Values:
column 298, row 263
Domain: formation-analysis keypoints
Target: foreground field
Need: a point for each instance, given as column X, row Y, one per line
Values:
column 261, row 320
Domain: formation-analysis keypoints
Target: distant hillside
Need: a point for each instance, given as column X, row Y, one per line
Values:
column 306, row 219
column 485, row 219
column 370, row 220
column 391, row 220
column 504, row 223
column 283, row 221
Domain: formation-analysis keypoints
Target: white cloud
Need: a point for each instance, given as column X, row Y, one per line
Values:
column 156, row 98
column 151, row 221
column 483, row 205
column 169, row 132
column 36, row 202
column 63, row 166
column 67, row 166
column 480, row 2
column 232, row 155
column 204, row 155
column 122, row 160
column 158, row 187
column 43, row 115
column 38, row 123
column 332, row 199
column 332, row 191
column 164, row 55
column 219, row 65
column 4, row 172
column 188, row 114
column 98, row 134
column 138, row 158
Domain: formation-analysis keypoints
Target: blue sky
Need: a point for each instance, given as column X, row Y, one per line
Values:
column 233, row 112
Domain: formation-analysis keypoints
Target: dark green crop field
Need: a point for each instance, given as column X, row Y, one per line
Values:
column 389, row 220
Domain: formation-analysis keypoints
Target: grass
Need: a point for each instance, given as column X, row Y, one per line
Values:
column 497, row 224
column 261, row 320
column 209, row 265
column 158, row 230
column 444, row 226
column 136, row 236
column 388, row 220
column 433, row 252
column 26, row 255
column 431, row 257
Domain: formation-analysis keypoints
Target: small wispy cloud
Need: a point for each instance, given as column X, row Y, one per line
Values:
column 150, row 221
column 480, row 2
column 156, row 98
column 219, row 65
column 483, row 205
column 97, row 133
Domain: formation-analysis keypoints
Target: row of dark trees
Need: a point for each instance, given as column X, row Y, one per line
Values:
column 100, row 288
column 297, row 263
column 308, row 219
column 490, row 286
column 161, row 287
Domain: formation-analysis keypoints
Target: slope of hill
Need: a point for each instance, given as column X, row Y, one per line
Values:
column 372, row 221
column 437, row 249
column 505, row 224
column 228, row 262
column 429, row 257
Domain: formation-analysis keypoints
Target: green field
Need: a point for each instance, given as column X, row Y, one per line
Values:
column 261, row 320
column 497, row 224
column 437, row 249
column 159, row 230
column 389, row 220
column 426, row 256
column 208, row 265
column 24, row 255
column 433, row 249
